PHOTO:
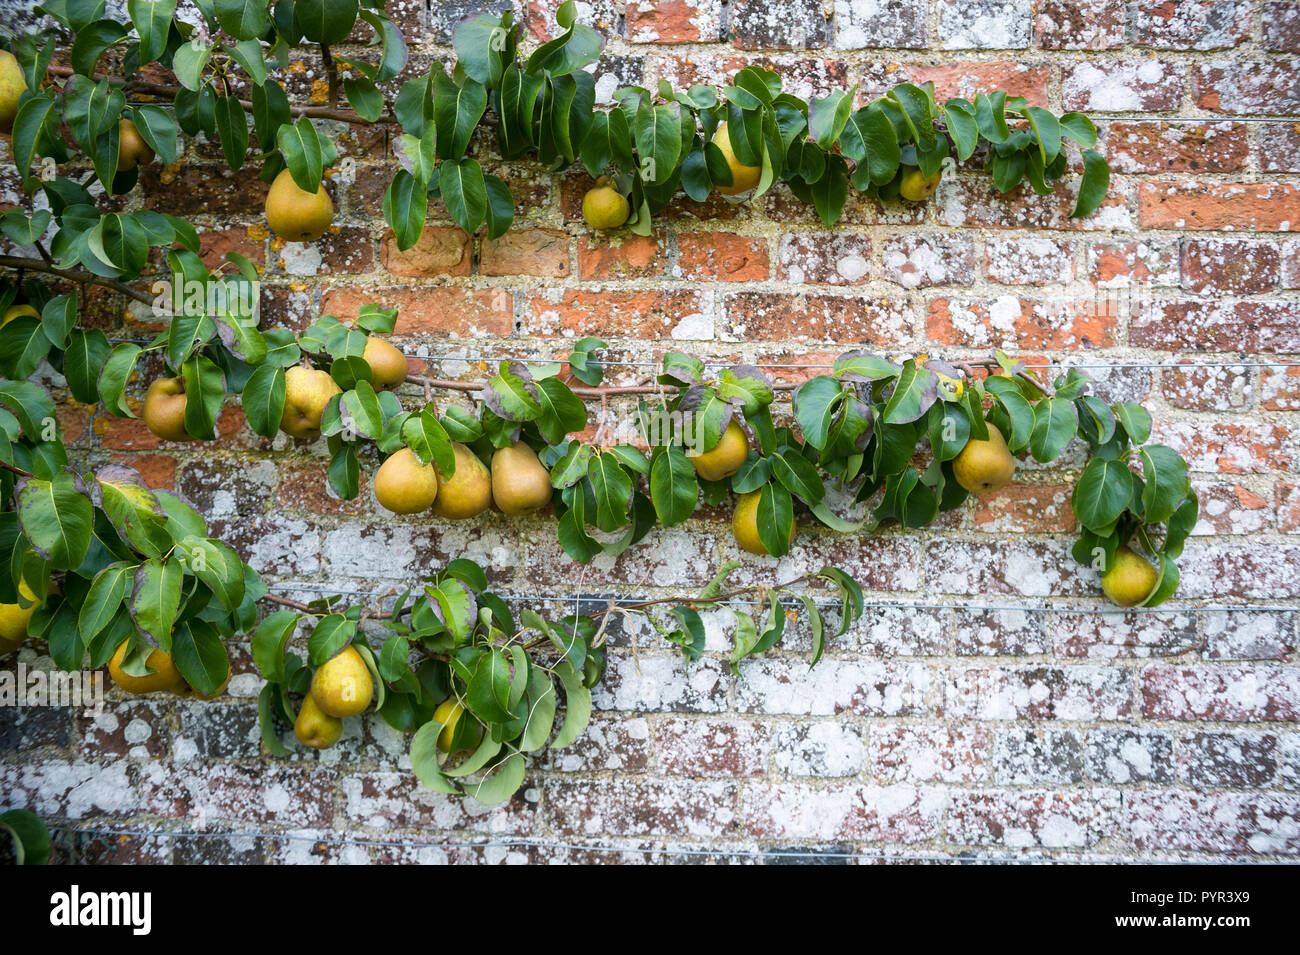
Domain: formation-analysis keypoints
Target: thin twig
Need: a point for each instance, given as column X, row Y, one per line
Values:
column 73, row 275
column 331, row 72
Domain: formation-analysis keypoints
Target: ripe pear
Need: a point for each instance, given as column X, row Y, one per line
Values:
column 984, row 466
column 386, row 362
column 519, row 482
column 14, row 618
column 15, row 311
column 342, row 685
column 12, row 84
column 916, row 186
column 404, row 484
column 306, row 393
column 448, row 714
column 603, row 206
column 744, row 524
column 743, row 178
column 315, row 728
column 1130, row 579
column 163, row 677
column 164, row 409
column 295, row 214
column 468, row 492
column 724, row 458
column 132, row 150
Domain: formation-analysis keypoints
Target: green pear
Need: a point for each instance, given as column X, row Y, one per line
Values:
column 724, row 458
column 984, row 466
column 386, row 362
column 519, row 482
column 744, row 524
column 164, row 410
column 12, row 84
column 132, row 150
column 404, row 485
column 468, row 492
column 306, row 393
column 1129, row 579
column 295, row 214
column 342, row 685
column 315, row 728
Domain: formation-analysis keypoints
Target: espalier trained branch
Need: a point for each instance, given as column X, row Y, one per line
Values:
column 108, row 572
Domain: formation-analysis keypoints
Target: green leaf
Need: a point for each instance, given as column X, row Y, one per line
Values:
column 248, row 54
column 612, row 489
column 104, row 599
column 425, row 435
column 506, row 778
column 244, row 19
column 405, row 208
column 156, row 598
column 205, row 391
column 962, row 127
column 1102, row 493
column 500, row 206
column 218, row 566
column 189, row 61
column 1135, row 419
column 31, row 837
column 301, row 148
column 850, row 593
column 331, row 635
column 1078, row 127
column 674, row 487
column 424, row 759
column 464, row 191
column 577, row 705
column 91, row 41
column 798, row 475
column 266, row 721
column 232, row 127
column 917, row 112
column 269, row 641
column 364, row 97
column 456, row 112
column 828, row 116
column 562, row 412
column 152, row 20
column 541, row 711
column 1046, row 130
column 56, row 519
column 263, row 400
column 658, row 143
column 917, row 389
column 392, row 45
column 1055, row 423
column 831, row 190
column 1093, row 186
column 158, row 130
column 325, row 21
column 815, row 404
column 775, row 519
column 200, row 656
column 1166, row 482
column 84, row 358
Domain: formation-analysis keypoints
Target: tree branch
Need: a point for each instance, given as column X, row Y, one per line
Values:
column 582, row 391
column 331, row 73
column 74, row 275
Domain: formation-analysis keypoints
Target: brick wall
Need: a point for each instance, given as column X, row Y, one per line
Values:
column 924, row 732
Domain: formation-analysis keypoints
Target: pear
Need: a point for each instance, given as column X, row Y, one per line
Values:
column 1130, row 579
column 315, row 728
column 164, row 409
column 387, row 363
column 342, row 685
column 12, row 84
column 468, row 492
column 132, row 150
column 448, row 713
column 163, row 677
column 744, row 524
column 519, row 482
column 724, row 458
column 916, row 186
column 603, row 206
column 404, row 485
column 14, row 618
column 306, row 393
column 295, row 214
column 743, row 178
column 984, row 466
column 16, row 311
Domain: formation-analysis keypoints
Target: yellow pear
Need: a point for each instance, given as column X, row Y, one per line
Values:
column 14, row 618
column 306, row 393
column 744, row 524
column 342, row 685
column 295, row 214
column 724, row 458
column 163, row 677
column 404, row 485
column 448, row 713
column 315, row 728
column 743, row 178
column 984, row 466
column 12, row 84
column 916, row 185
column 386, row 362
column 14, row 311
column 468, row 492
column 603, row 206
column 1130, row 579
column 132, row 150
column 519, row 482
column 164, row 409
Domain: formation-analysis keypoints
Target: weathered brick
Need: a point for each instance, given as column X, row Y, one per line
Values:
column 1079, row 24
column 1212, row 822
column 720, row 257
column 623, row 257
column 1122, row 86
column 920, row 260
column 256, row 794
column 1212, row 569
column 818, row 749
column 975, row 202
column 1153, row 147
column 439, row 250
column 899, row 631
column 397, row 801
column 1191, row 24
column 1230, row 206
column 1228, row 448
column 1025, row 568
column 1210, row 761
column 773, row 685
column 1242, row 635
column 1010, row 322
column 1032, row 260
column 1026, row 509
column 1120, row 756
column 999, row 633
column 711, row 747
column 1288, row 508
column 880, row 24
column 138, row 728
column 621, row 744
column 1215, row 326
column 839, row 258
column 968, row 79
column 985, row 24
column 674, row 21
column 813, row 317
column 950, row 753
column 624, row 807
column 1241, row 87
column 1038, row 693
column 1214, row 388
column 1279, row 147
column 1123, row 636
column 1022, row 819
column 424, row 310
column 543, row 252
column 616, row 313
column 1037, row 756
column 779, row 24
column 1227, row 508
column 662, row 683
column 1281, row 20
column 1230, row 266
column 1224, row 693
column 843, row 811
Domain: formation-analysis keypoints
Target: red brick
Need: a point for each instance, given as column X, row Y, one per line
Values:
column 385, row 800
column 625, row 807
column 1032, row 260
column 1209, row 761
column 158, row 470
column 543, row 252
column 1208, row 388
column 622, row 257
column 929, row 754
column 779, row 24
column 1229, row 694
column 967, row 79
column 1020, row 818
column 1230, row 266
column 619, row 313
column 1137, row 262
column 1026, row 509
column 203, row 190
column 711, row 747
column 1227, row 448
column 1291, row 263
column 1008, row 322
column 1271, row 88
column 1281, row 20
column 1279, row 147
column 1228, row 568
column 848, row 811
column 920, row 260
column 249, row 242
column 250, row 794
column 751, row 316
column 614, row 744
column 1215, row 326
column 1279, row 388
column 1000, row 633
column 1079, row 24
column 824, row 258
column 603, row 15
column 1122, row 86
column 1125, row 636
column 1191, row 24
column 1152, row 147
column 974, row 202
column 721, row 257
column 673, row 21
column 1038, row 693
column 305, row 488
column 803, row 76
column 1288, row 507
column 440, row 250
column 428, row 310
column 1178, row 820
